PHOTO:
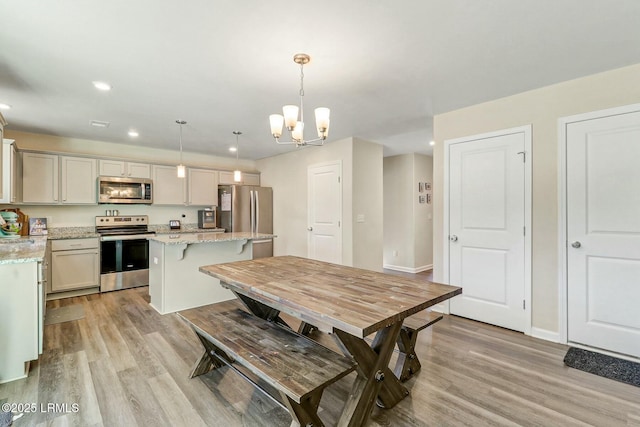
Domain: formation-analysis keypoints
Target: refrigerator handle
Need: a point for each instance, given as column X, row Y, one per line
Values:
column 252, row 211
column 257, row 213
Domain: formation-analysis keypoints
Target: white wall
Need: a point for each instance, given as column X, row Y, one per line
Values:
column 542, row 108
column 287, row 174
column 408, row 226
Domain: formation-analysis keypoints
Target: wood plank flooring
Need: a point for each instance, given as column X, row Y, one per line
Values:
column 126, row 365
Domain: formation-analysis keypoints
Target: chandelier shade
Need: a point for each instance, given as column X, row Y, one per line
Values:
column 292, row 116
column 181, row 171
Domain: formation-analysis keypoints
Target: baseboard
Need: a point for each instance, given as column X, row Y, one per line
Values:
column 408, row 269
column 546, row 335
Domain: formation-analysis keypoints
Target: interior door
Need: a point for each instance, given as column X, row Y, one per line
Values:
column 324, row 192
column 487, row 228
column 603, row 232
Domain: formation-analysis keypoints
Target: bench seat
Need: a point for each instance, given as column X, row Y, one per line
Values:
column 408, row 364
column 296, row 367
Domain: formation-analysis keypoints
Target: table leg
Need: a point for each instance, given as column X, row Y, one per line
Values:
column 375, row 380
column 262, row 310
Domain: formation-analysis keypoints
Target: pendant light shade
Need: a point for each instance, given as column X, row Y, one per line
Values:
column 181, row 171
column 237, row 174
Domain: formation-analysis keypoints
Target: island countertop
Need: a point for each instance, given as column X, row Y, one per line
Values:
column 188, row 238
column 24, row 249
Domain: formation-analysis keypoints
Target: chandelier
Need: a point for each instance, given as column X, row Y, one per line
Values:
column 289, row 116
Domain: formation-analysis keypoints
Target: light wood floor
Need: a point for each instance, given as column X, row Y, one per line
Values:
column 126, row 365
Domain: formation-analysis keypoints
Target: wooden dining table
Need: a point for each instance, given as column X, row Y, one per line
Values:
column 349, row 302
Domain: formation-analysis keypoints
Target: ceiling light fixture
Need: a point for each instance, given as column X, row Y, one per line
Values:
column 103, row 86
column 181, row 170
column 289, row 117
column 133, row 134
column 5, row 107
column 237, row 174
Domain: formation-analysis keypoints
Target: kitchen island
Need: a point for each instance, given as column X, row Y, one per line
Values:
column 174, row 280
column 21, row 304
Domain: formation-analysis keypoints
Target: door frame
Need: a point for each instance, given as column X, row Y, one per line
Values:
column 563, row 256
column 527, row 130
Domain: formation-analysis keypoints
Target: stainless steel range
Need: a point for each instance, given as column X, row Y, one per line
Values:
column 124, row 251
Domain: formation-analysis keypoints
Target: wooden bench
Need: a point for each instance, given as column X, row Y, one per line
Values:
column 295, row 369
column 408, row 364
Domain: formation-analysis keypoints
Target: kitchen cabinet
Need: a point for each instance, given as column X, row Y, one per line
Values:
column 78, row 180
column 40, row 178
column 203, row 187
column 75, row 264
column 10, row 170
column 226, row 178
column 123, row 168
column 168, row 189
column 52, row 179
column 21, row 307
column 2, row 155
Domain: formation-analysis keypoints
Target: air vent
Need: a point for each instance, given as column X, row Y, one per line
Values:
column 99, row 124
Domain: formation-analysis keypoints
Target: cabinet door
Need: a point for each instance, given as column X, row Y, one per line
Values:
column 111, row 167
column 251, row 179
column 75, row 270
column 39, row 178
column 203, row 187
column 168, row 189
column 138, row 170
column 226, row 178
column 79, row 180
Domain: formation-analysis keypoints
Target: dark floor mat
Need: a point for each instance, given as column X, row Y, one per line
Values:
column 606, row 366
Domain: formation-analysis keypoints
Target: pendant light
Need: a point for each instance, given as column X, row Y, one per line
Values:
column 181, row 170
column 237, row 174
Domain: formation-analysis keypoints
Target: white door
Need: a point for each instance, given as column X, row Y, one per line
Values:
column 487, row 219
column 324, row 190
column 603, row 232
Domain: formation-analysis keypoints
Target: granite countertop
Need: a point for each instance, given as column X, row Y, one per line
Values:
column 22, row 250
column 185, row 228
column 59, row 233
column 207, row 237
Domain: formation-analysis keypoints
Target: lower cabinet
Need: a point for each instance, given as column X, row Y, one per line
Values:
column 75, row 264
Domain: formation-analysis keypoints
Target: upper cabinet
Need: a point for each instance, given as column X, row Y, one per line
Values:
column 41, row 183
column 226, row 178
column 10, row 168
column 168, row 189
column 2, row 187
column 203, row 187
column 125, row 169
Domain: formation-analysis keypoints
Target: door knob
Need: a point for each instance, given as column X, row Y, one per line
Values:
column 453, row 238
column 310, row 228
column 576, row 244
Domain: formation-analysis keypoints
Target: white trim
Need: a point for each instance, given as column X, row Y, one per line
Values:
column 527, row 130
column 563, row 122
column 546, row 335
column 408, row 269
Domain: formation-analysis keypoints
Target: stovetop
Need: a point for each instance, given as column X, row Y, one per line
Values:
column 114, row 225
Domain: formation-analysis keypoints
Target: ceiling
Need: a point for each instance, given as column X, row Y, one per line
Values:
column 384, row 67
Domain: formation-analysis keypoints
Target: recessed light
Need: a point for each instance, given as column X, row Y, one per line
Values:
column 133, row 134
column 432, row 143
column 102, row 86
column 233, row 149
column 5, row 107
column 99, row 124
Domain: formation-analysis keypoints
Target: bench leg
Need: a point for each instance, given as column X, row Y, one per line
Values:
column 304, row 413
column 209, row 360
column 407, row 364
column 262, row 310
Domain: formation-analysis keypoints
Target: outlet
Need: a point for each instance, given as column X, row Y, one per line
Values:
column 360, row 218
column 395, row 253
column 49, row 221
column 155, row 260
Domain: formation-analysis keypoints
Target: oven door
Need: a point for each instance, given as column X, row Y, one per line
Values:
column 124, row 263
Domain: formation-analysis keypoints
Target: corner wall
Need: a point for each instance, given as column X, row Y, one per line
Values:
column 542, row 108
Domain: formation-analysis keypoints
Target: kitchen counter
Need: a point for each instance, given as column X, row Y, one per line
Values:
column 59, row 233
column 175, row 282
column 208, row 237
column 23, row 250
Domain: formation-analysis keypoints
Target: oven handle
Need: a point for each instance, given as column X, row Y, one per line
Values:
column 126, row 237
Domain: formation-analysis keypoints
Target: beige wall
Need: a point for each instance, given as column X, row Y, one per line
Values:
column 542, row 108
column 287, row 174
column 408, row 227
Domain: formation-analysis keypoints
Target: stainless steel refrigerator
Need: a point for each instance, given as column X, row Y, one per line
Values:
column 247, row 208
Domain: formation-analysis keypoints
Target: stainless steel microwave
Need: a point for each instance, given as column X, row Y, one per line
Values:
column 115, row 189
